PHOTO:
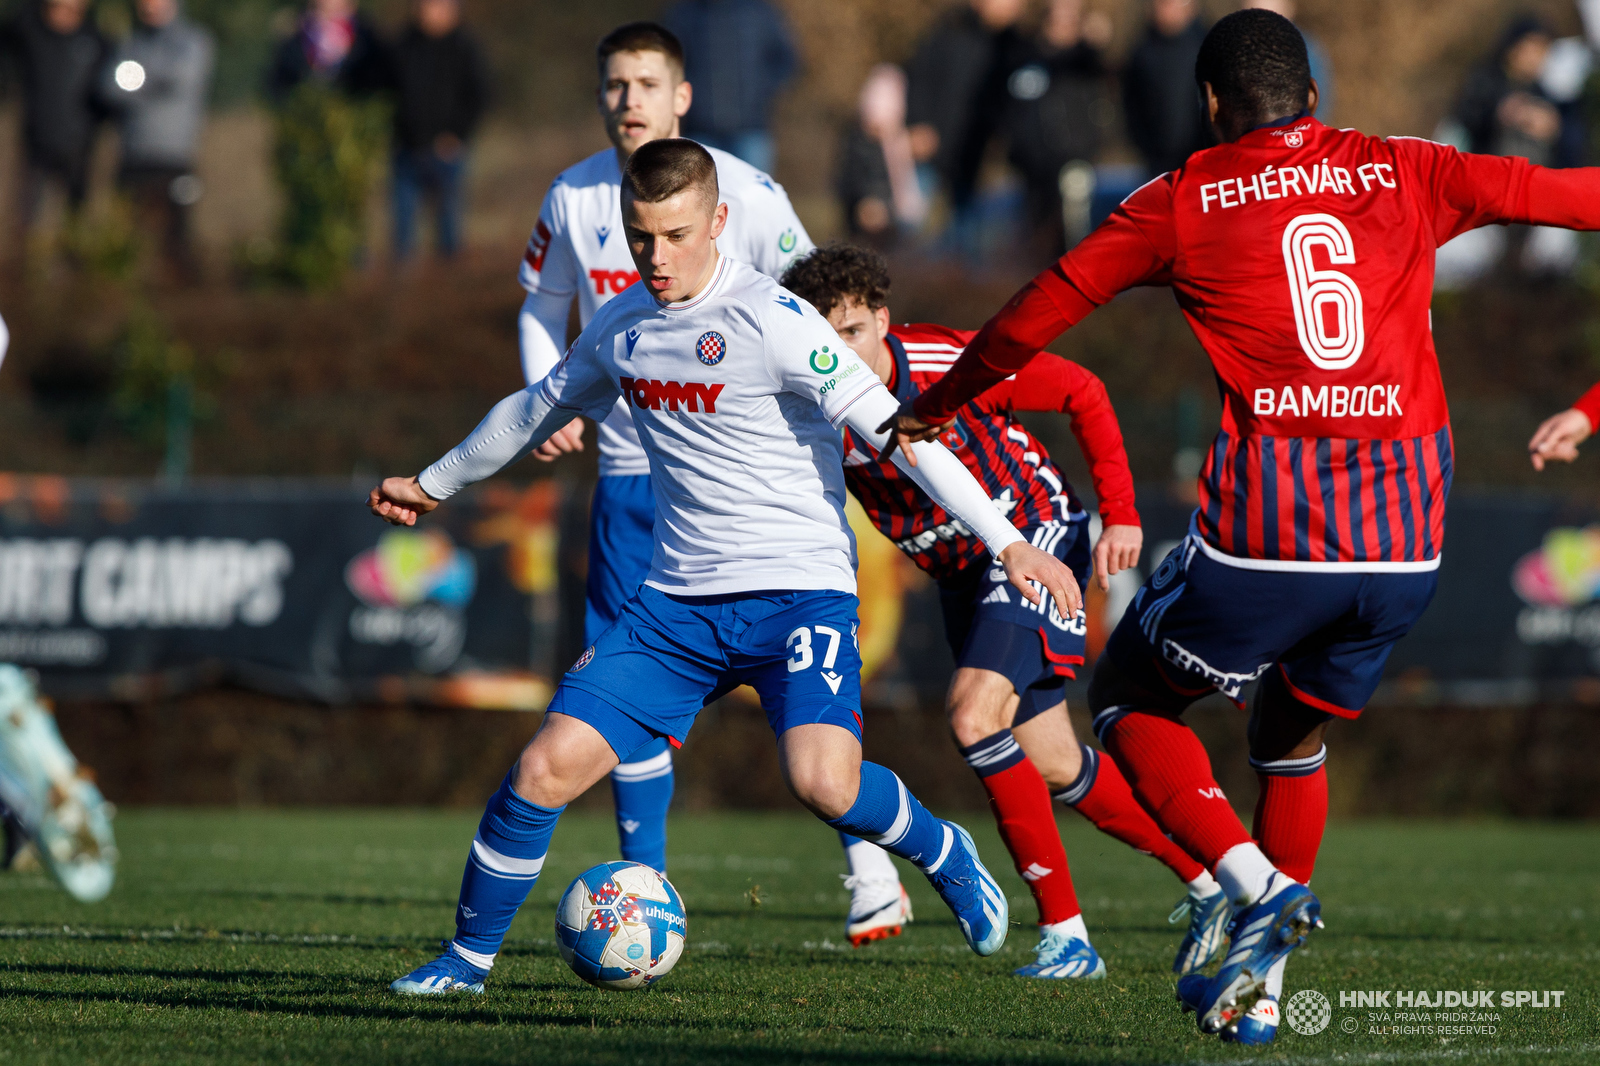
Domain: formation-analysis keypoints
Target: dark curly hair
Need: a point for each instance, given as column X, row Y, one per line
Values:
column 838, row 272
column 1256, row 63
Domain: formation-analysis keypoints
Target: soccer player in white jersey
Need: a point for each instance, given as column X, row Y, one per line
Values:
column 739, row 390
column 577, row 252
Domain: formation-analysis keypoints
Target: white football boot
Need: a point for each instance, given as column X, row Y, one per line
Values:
column 50, row 795
column 878, row 908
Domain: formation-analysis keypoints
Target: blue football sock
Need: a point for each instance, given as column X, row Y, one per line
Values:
column 642, row 791
column 890, row 816
column 505, row 860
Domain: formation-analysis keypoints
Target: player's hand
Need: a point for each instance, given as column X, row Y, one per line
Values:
column 569, row 438
column 1558, row 437
column 1116, row 551
column 400, row 501
column 1026, row 565
column 905, row 429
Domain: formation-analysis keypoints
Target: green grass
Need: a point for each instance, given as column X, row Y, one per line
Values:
column 270, row 937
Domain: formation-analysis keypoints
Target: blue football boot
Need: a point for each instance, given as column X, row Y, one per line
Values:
column 971, row 893
column 448, row 973
column 1208, row 931
column 1262, row 933
column 1063, row 956
column 1258, row 1026
column 1191, row 990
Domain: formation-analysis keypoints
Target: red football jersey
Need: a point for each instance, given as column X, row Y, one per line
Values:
column 1008, row 461
column 1302, row 257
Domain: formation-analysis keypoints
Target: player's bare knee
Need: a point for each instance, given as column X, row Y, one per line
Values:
column 828, row 790
column 979, row 704
column 538, row 778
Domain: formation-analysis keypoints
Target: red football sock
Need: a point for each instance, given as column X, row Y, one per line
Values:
column 1171, row 774
column 1101, row 794
column 1292, row 812
column 1021, row 803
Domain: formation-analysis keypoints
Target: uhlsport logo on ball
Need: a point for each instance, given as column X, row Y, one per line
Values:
column 621, row 926
column 1308, row 1012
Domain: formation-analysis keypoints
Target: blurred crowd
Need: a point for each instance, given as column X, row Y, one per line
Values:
column 1009, row 132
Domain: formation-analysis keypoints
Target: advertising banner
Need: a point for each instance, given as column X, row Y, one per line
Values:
column 123, row 590
column 112, row 589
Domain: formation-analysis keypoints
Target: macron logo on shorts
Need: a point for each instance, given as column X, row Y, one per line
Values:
column 649, row 395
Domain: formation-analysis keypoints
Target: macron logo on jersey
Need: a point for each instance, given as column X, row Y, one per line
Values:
column 649, row 395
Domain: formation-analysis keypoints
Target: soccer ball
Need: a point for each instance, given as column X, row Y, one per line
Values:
column 621, row 926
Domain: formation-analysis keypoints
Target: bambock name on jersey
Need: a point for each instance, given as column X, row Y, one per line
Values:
column 578, row 250
column 738, row 396
column 1302, row 257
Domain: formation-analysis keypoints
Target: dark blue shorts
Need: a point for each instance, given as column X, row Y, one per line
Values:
column 990, row 626
column 1199, row 624
column 668, row 656
column 622, row 522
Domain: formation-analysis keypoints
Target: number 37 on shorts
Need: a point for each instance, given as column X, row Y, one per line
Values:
column 818, row 646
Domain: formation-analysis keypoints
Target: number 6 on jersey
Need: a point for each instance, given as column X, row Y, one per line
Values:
column 1313, row 292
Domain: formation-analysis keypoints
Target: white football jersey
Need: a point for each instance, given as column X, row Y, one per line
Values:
column 738, row 395
column 577, row 249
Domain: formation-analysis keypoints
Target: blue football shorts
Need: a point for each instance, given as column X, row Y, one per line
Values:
column 1199, row 625
column 990, row 626
column 622, row 541
column 667, row 656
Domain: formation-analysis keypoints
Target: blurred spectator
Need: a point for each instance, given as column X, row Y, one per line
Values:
column 156, row 84
column 1159, row 97
column 1055, row 106
column 738, row 54
column 57, row 54
column 334, row 44
column 1506, row 109
column 1321, row 68
column 877, row 177
column 1503, row 108
column 947, row 105
column 442, row 86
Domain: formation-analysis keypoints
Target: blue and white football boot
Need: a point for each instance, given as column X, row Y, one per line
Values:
column 1063, row 956
column 967, row 887
column 448, row 973
column 50, row 796
column 1262, row 933
column 1207, row 932
column 1258, row 1026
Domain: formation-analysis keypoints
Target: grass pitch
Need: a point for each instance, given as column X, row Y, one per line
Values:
column 264, row 936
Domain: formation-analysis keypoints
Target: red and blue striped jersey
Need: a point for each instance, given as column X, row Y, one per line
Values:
column 1008, row 461
column 1302, row 257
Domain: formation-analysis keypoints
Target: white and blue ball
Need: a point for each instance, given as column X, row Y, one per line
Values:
column 621, row 925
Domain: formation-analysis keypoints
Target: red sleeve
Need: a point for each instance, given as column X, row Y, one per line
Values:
column 1589, row 404
column 1464, row 191
column 1135, row 246
column 1055, row 384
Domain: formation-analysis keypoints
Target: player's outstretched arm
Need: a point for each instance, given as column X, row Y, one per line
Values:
column 400, row 501
column 952, row 486
column 1558, row 437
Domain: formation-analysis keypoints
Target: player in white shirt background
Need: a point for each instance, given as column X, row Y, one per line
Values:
column 740, row 389
column 577, row 252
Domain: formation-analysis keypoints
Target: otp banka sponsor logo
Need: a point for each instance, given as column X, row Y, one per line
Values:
column 413, row 586
column 148, row 583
